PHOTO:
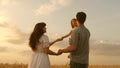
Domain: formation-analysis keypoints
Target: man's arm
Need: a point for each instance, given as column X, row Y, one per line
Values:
column 73, row 45
column 50, row 52
column 70, row 48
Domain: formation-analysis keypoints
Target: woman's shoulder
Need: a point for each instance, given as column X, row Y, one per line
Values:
column 45, row 36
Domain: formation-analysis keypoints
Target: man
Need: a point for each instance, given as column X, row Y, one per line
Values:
column 79, row 44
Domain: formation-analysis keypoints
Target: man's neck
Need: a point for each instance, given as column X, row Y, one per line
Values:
column 80, row 24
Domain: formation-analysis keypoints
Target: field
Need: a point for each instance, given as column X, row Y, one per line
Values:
column 55, row 66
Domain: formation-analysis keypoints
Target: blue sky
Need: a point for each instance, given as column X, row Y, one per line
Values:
column 18, row 17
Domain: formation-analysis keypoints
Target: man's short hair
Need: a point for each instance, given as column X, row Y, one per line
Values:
column 81, row 17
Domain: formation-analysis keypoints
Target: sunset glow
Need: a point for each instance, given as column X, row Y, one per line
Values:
column 18, row 18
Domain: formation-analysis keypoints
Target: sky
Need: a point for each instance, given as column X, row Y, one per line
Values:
column 18, row 18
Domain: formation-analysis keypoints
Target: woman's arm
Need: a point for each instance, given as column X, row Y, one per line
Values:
column 48, row 51
column 46, row 46
column 51, row 43
column 59, row 39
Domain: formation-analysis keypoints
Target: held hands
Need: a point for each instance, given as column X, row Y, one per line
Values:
column 59, row 52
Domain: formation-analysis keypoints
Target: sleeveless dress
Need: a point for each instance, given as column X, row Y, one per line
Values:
column 39, row 59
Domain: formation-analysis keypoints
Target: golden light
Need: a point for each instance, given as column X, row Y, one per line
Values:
column 5, row 2
column 4, row 33
column 2, row 19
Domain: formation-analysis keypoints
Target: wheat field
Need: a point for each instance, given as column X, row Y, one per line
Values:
column 55, row 66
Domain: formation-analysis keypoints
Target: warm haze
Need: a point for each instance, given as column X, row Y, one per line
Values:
column 18, row 17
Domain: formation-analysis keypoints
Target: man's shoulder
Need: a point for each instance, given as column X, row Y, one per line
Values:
column 76, row 29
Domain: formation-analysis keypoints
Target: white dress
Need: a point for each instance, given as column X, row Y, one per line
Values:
column 39, row 59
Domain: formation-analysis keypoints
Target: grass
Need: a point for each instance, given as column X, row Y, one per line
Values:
column 55, row 66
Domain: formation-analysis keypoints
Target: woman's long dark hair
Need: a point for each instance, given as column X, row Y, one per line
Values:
column 36, row 35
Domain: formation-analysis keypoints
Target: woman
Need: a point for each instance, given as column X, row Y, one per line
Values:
column 39, row 44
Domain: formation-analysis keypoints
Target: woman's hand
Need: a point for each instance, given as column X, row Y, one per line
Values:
column 59, row 52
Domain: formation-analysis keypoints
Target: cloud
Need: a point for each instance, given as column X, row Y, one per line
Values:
column 64, row 2
column 12, row 34
column 6, row 3
column 18, row 37
column 3, row 49
column 25, row 52
column 3, row 17
column 106, row 48
column 3, row 24
column 6, row 7
column 97, row 47
column 52, row 6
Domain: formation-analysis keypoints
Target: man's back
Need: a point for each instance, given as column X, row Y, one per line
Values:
column 80, row 38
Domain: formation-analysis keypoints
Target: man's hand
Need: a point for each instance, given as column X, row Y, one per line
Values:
column 59, row 52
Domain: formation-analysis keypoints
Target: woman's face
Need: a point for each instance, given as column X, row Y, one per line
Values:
column 44, row 29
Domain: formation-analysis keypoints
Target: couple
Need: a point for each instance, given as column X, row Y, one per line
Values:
column 78, row 46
